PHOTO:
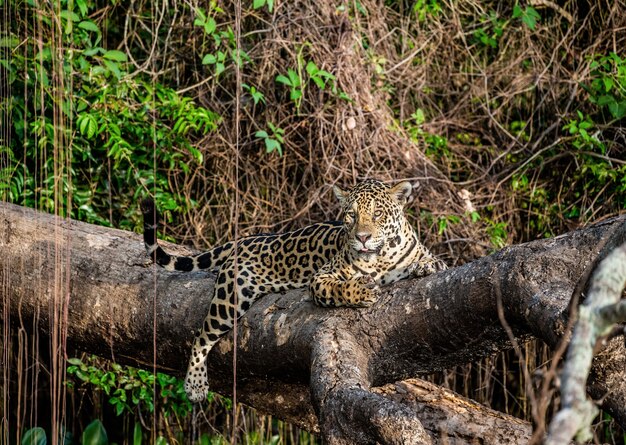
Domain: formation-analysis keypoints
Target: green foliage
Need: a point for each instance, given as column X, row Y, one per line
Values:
column 529, row 15
column 490, row 32
column 294, row 82
column 256, row 95
column 492, row 26
column 497, row 233
column 95, row 434
column 436, row 146
column 114, row 120
column 219, row 46
column 258, row 4
column 319, row 77
column 35, row 436
column 297, row 81
column 424, row 8
column 273, row 141
column 444, row 221
column 607, row 88
column 130, row 389
column 584, row 170
column 581, row 129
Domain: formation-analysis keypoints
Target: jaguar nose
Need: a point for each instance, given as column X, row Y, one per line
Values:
column 363, row 237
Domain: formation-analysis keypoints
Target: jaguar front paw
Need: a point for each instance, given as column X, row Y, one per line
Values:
column 364, row 292
column 420, row 269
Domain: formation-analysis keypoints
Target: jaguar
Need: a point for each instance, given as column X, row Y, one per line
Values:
column 342, row 263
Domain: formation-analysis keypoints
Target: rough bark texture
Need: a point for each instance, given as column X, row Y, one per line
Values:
column 295, row 360
column 597, row 316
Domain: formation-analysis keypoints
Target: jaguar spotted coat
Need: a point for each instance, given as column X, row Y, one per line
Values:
column 342, row 263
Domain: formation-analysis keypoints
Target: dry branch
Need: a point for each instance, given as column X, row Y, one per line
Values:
column 597, row 316
column 295, row 360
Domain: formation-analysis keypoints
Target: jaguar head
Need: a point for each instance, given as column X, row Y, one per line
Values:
column 373, row 214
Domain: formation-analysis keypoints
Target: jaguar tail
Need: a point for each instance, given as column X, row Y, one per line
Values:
column 210, row 259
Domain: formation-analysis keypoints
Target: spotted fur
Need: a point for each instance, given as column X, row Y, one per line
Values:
column 342, row 263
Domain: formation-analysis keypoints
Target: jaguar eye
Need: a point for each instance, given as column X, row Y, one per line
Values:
column 378, row 214
column 349, row 215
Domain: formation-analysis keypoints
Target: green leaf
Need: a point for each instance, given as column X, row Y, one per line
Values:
column 88, row 25
column 87, row 125
column 114, row 68
column 93, row 51
column 606, row 99
column 114, row 54
column 295, row 94
column 210, row 26
column 261, row 134
column 294, row 78
column 9, row 42
column 35, row 436
column 529, row 16
column 319, row 82
column 283, row 79
column 209, row 59
column 618, row 109
column 271, row 145
column 137, row 434
column 312, row 68
column 257, row 4
column 70, row 15
column 82, row 6
column 95, row 434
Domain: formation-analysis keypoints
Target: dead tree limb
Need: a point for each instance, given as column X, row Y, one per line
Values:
column 597, row 316
column 295, row 360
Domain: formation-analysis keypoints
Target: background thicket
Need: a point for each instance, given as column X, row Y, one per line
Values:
column 238, row 117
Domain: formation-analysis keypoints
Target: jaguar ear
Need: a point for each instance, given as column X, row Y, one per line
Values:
column 402, row 192
column 340, row 193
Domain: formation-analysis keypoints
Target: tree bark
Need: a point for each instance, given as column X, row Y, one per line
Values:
column 315, row 367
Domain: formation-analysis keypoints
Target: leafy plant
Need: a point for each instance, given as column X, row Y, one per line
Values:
column 317, row 76
column 425, row 8
column 116, row 120
column 95, row 434
column 35, row 436
column 581, row 128
column 608, row 86
column 294, row 82
column 444, row 221
column 206, row 22
column 489, row 34
column 273, row 141
column 258, row 4
column 529, row 15
column 256, row 95
column 130, row 388
column 497, row 233
column 436, row 145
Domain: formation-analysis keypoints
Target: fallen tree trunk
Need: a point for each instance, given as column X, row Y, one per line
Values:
column 311, row 366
